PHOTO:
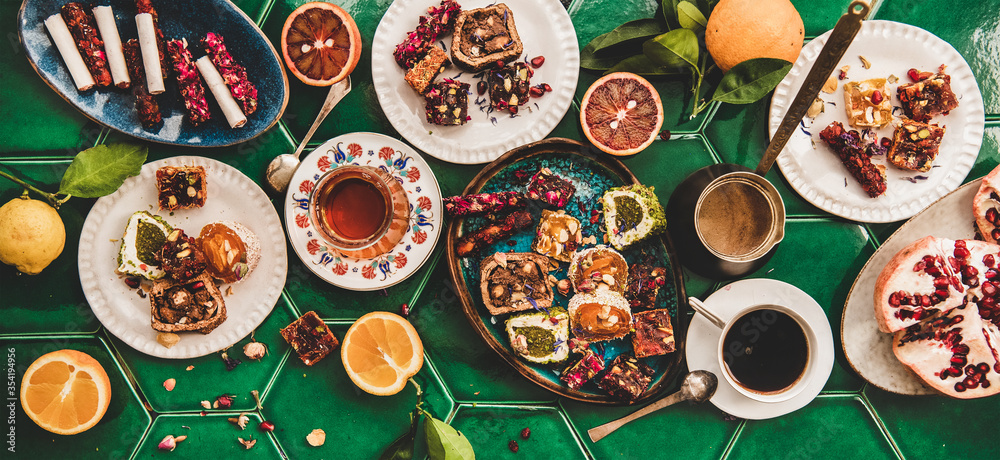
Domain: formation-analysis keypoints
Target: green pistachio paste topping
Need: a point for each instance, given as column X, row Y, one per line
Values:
column 148, row 239
column 541, row 341
column 628, row 213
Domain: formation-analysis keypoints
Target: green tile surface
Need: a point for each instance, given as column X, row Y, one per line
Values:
column 465, row 382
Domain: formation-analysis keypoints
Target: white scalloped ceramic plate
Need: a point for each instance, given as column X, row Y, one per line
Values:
column 703, row 344
column 545, row 29
column 231, row 196
column 816, row 173
column 426, row 211
column 867, row 349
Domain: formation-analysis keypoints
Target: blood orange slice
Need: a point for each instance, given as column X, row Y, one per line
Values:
column 621, row 113
column 321, row 43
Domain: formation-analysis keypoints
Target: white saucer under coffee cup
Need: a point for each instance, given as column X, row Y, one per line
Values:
column 782, row 394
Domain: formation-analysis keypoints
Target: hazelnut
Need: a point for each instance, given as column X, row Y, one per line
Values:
column 191, row 192
column 255, row 350
column 167, row 339
column 316, row 438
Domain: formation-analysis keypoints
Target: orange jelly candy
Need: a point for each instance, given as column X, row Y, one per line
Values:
column 225, row 252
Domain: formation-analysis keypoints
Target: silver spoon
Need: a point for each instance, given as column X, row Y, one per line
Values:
column 698, row 386
column 282, row 167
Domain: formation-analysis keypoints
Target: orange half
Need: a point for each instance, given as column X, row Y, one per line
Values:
column 65, row 392
column 381, row 351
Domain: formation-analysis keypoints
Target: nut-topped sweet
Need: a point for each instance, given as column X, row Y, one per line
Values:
column 603, row 315
column 597, row 269
column 867, row 103
column 915, row 145
column 484, row 36
column 930, row 94
column 193, row 305
column 515, row 282
column 231, row 250
column 181, row 187
column 180, row 256
column 558, row 235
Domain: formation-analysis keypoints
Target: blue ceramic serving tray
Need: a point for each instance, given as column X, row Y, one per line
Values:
column 190, row 19
column 592, row 173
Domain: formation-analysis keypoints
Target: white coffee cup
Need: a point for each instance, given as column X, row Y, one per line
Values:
column 756, row 328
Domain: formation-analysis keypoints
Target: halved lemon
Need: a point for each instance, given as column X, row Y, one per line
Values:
column 381, row 351
column 65, row 392
column 321, row 43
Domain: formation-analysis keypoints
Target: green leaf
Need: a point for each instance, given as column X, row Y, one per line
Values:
column 588, row 60
column 632, row 32
column 100, row 170
column 689, row 17
column 402, row 447
column 445, row 443
column 751, row 80
column 670, row 12
column 674, row 49
column 642, row 65
column 706, row 6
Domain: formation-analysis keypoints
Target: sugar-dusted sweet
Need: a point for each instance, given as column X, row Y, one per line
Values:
column 654, row 333
column 447, row 103
column 548, row 187
column 632, row 213
column 626, row 378
column 310, row 337
column 915, row 145
column 540, row 337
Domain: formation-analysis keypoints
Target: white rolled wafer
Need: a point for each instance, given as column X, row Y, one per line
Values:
column 112, row 45
column 234, row 115
column 150, row 53
column 69, row 52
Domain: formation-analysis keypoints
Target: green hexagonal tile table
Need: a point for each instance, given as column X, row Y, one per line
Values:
column 465, row 383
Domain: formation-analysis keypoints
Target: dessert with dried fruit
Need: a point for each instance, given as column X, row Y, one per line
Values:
column 447, row 103
column 492, row 232
column 654, row 334
column 181, row 187
column 83, row 27
column 483, row 203
column 557, row 236
column 509, row 86
column 986, row 207
column 232, row 73
column 310, row 337
column 440, row 21
column 856, row 158
column 597, row 269
column 930, row 94
column 626, row 379
column 644, row 282
column 540, row 337
column 581, row 371
column 867, row 103
column 144, row 235
column 193, row 305
column 231, row 250
column 423, row 72
column 146, row 107
column 602, row 315
column 632, row 213
column 515, row 282
column 915, row 145
column 484, row 36
column 180, row 256
column 189, row 85
column 546, row 186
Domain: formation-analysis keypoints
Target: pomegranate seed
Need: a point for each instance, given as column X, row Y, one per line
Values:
column 961, row 253
column 960, row 244
column 538, row 61
column 961, row 348
column 894, row 299
column 925, row 301
column 959, row 387
column 983, row 368
column 992, row 215
column 919, row 266
column 955, row 265
column 266, row 426
column 971, row 369
column 995, row 233
column 842, row 75
column 512, row 445
column 992, row 274
column 513, row 109
column 989, row 288
column 985, row 383
column 546, row 87
column 876, row 97
column 405, row 309
column 913, row 74
column 988, row 302
column 989, row 261
column 886, row 142
column 941, row 281
column 959, row 360
column 969, row 271
column 933, row 270
column 942, row 293
column 554, row 320
column 481, row 88
column 525, row 433
column 499, row 64
column 665, row 134
column 132, row 282
column 536, row 91
column 970, row 383
column 198, row 285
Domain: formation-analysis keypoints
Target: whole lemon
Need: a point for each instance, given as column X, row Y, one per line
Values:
column 739, row 30
column 32, row 235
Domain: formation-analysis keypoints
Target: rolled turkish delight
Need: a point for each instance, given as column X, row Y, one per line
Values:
column 88, row 40
column 67, row 49
column 105, row 18
column 230, row 108
column 483, row 203
column 146, row 7
column 233, row 74
column 471, row 243
column 188, row 82
column 145, row 104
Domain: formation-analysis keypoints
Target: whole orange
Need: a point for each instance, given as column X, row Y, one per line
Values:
column 739, row 30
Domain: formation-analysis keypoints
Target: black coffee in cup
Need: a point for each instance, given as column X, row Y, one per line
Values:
column 765, row 351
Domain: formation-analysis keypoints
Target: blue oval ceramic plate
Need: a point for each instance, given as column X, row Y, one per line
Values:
column 593, row 173
column 190, row 19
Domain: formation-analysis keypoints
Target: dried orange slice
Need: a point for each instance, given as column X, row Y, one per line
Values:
column 321, row 43
column 381, row 351
column 621, row 113
column 65, row 392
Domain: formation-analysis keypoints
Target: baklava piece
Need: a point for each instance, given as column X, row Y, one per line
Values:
column 548, row 187
column 423, row 73
column 447, row 103
column 654, row 334
column 929, row 95
column 195, row 305
column 509, row 86
column 626, row 379
column 867, row 103
column 311, row 339
column 484, row 36
column 181, row 187
column 515, row 282
column 915, row 145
